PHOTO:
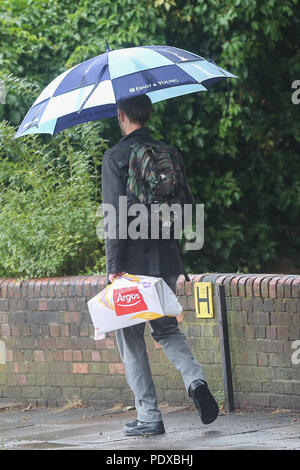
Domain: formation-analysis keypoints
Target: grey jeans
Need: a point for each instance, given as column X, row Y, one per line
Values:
column 132, row 348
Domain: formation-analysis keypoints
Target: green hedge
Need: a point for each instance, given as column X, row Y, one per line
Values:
column 244, row 168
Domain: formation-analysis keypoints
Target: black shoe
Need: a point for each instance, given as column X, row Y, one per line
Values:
column 140, row 428
column 204, row 401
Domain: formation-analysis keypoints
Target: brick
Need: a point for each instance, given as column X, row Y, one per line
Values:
column 39, row 356
column 249, row 331
column 67, row 355
column 247, row 305
column 71, row 317
column 294, row 332
column 280, row 319
column 251, row 359
column 261, row 318
column 4, row 305
column 58, row 355
column 183, row 302
column 271, row 332
column 84, row 343
column 281, row 286
column 236, row 304
column 5, row 330
column 262, row 360
column 234, row 286
column 258, row 305
column 274, row 387
column 264, row 287
column 3, row 288
column 287, row 287
column 3, row 317
column 30, row 288
column 260, row 332
column 226, row 281
column 296, row 287
column 46, row 343
column 107, row 343
column 57, row 286
column 117, row 368
column 66, row 342
column 242, row 286
column 11, row 288
column 54, row 330
column 21, row 379
column 279, row 306
column 44, row 288
column 15, row 330
column 110, row 355
column 80, row 368
column 268, row 305
column 280, row 360
column 180, row 286
column 189, row 288
column 84, row 330
column 272, row 347
column 18, row 288
column 249, row 286
column 22, row 305
column 37, row 288
column 76, row 286
column 42, row 304
column 86, row 287
column 51, row 287
column 94, row 289
column 52, row 304
column 64, row 330
column 257, row 286
column 96, row 356
column 77, row 356
column 72, row 287
column 291, row 306
column 65, row 287
column 25, row 342
column 281, row 401
column 282, row 332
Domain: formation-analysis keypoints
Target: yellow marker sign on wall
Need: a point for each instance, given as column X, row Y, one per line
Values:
column 203, row 299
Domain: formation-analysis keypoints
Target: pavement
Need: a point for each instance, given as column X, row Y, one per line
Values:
column 75, row 427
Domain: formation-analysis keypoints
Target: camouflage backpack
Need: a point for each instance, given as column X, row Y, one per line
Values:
column 155, row 176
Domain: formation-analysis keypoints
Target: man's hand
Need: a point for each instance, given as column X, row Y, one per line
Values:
column 112, row 277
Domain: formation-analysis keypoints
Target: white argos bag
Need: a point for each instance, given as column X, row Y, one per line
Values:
column 130, row 300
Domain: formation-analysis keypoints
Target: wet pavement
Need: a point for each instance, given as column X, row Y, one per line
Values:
column 92, row 428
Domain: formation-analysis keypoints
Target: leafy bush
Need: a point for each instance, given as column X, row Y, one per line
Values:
column 48, row 196
column 244, row 168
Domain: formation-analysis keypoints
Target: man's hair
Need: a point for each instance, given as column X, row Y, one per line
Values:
column 138, row 109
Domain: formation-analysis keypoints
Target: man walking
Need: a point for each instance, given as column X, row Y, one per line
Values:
column 152, row 257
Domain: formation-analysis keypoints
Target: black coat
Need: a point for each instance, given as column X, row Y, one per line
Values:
column 145, row 257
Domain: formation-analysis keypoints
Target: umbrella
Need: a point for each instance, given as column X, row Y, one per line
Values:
column 92, row 89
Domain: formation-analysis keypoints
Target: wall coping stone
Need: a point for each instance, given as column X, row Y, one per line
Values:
column 237, row 285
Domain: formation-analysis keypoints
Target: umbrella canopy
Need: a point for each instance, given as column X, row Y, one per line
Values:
column 92, row 89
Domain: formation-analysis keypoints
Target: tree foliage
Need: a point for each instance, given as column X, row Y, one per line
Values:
column 244, row 168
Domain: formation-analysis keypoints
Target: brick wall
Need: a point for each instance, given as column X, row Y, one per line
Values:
column 48, row 355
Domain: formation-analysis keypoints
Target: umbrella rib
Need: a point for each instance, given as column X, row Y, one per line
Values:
column 103, row 70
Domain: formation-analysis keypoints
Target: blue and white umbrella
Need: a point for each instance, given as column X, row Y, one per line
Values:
column 92, row 89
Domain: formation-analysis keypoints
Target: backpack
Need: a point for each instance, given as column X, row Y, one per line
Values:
column 155, row 176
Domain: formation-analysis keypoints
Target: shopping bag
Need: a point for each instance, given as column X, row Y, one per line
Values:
column 130, row 300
